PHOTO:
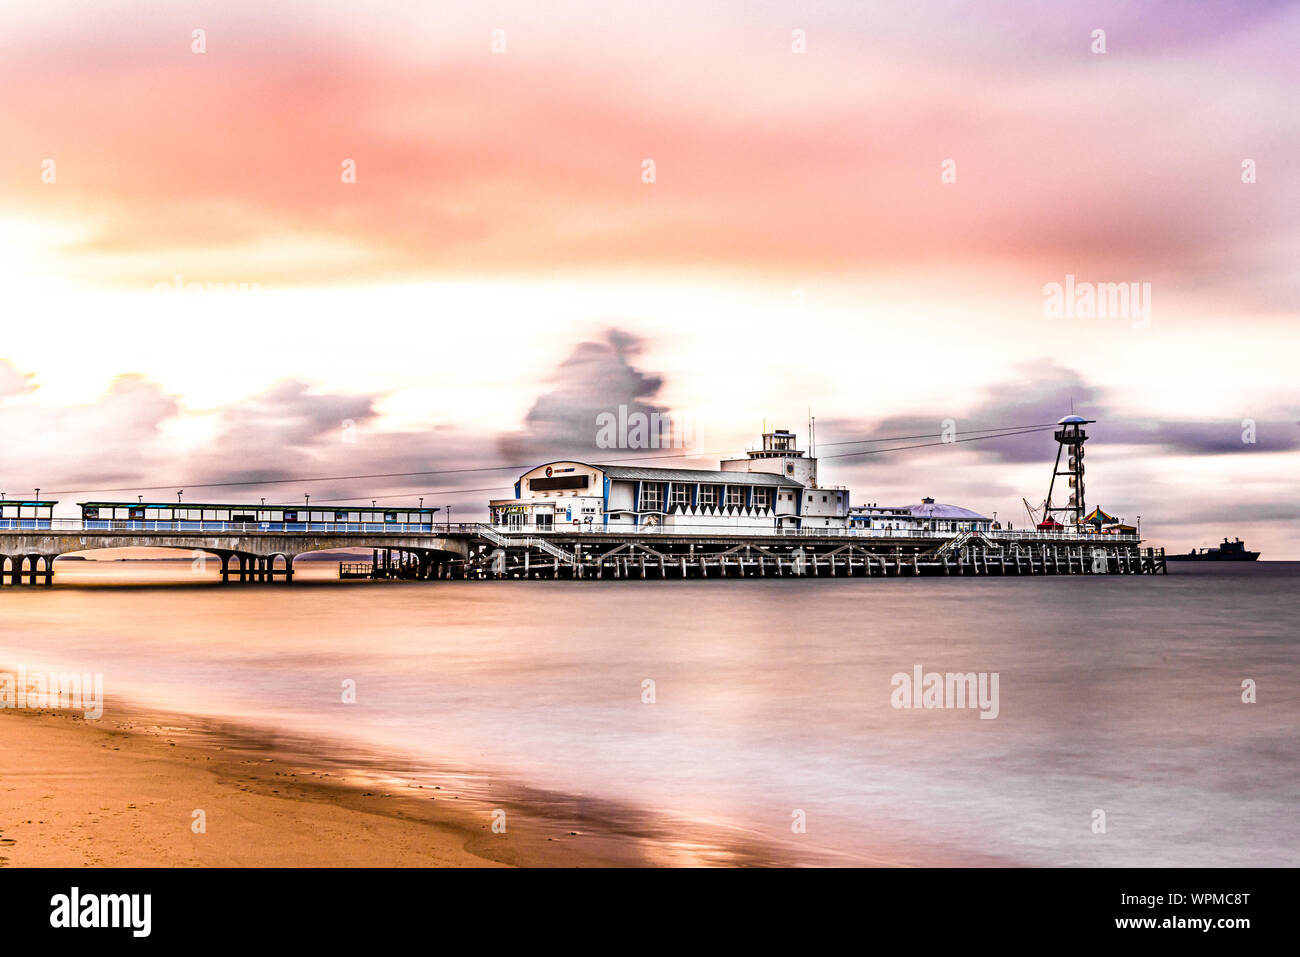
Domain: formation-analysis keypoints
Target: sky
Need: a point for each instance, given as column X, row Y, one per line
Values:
column 327, row 239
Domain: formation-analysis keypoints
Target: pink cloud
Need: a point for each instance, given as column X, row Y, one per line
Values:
column 469, row 163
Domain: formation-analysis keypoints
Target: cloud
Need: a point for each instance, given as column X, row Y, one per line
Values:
column 597, row 377
column 1040, row 395
column 128, row 440
column 286, row 430
column 298, row 441
column 115, row 439
column 1226, row 493
column 1211, row 436
column 294, row 431
column 527, row 162
column 291, row 439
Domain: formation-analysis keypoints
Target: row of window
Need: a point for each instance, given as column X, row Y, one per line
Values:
column 254, row 515
column 921, row 526
column 839, row 497
column 26, row 511
column 679, row 495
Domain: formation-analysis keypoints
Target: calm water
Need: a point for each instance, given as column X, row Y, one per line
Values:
column 1115, row 693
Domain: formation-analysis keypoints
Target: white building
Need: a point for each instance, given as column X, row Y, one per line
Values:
column 772, row 488
column 927, row 516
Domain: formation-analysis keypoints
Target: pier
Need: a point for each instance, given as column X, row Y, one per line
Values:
column 813, row 553
column 249, row 553
column 765, row 515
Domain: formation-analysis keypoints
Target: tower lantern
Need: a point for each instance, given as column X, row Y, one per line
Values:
column 1070, row 437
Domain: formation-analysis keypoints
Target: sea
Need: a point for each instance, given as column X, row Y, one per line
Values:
column 1110, row 720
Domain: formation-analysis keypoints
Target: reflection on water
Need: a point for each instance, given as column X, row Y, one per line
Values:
column 1119, row 694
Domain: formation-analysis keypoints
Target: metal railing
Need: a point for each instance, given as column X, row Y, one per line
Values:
column 233, row 528
column 1099, row 538
column 500, row 531
column 524, row 534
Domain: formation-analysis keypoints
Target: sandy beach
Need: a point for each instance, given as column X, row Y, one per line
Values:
column 122, row 791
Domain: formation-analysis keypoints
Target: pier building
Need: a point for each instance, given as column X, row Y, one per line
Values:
column 20, row 514
column 926, row 516
column 772, row 489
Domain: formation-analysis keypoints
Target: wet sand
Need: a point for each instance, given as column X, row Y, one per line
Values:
column 122, row 792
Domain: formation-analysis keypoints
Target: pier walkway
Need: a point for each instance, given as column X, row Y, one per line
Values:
column 249, row 552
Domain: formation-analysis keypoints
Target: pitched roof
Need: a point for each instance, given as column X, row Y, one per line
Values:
column 937, row 510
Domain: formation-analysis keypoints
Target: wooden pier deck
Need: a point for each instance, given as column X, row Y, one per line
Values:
column 250, row 553
column 612, row 556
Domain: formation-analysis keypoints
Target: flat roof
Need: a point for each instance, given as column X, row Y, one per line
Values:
column 709, row 476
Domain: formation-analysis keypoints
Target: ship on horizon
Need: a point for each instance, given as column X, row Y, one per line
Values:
column 1227, row 552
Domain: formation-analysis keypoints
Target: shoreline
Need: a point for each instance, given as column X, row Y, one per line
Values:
column 123, row 791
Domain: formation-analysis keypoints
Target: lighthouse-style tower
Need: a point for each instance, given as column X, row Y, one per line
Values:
column 1070, row 437
column 779, row 455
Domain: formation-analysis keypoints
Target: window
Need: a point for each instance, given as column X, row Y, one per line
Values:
column 761, row 499
column 708, row 496
column 680, row 495
column 735, row 496
column 652, row 496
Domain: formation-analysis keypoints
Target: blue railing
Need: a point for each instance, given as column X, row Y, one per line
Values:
column 197, row 527
column 145, row 525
